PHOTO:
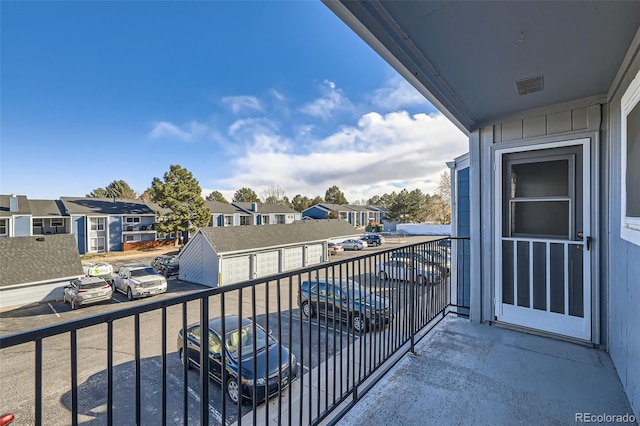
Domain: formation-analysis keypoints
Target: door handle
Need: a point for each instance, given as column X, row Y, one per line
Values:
column 587, row 240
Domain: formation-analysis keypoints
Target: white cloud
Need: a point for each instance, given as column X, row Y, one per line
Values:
column 279, row 96
column 240, row 103
column 382, row 153
column 332, row 99
column 397, row 94
column 168, row 130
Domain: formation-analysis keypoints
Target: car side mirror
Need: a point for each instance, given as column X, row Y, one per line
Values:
column 216, row 355
column 270, row 332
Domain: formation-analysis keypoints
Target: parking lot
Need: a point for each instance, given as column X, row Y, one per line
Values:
column 326, row 337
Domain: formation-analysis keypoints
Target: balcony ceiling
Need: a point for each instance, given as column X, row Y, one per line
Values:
column 466, row 57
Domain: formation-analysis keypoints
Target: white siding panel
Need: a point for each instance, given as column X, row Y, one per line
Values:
column 236, row 269
column 293, row 258
column 268, row 263
column 198, row 262
column 314, row 254
column 22, row 295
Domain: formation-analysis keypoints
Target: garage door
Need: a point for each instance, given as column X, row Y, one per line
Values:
column 235, row 269
column 268, row 263
column 292, row 258
column 314, row 254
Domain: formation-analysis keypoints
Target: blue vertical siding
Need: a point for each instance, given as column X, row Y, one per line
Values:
column 22, row 226
column 115, row 233
column 464, row 247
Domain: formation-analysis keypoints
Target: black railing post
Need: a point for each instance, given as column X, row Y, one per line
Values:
column 204, row 361
column 412, row 299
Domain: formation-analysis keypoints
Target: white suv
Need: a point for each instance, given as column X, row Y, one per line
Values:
column 139, row 280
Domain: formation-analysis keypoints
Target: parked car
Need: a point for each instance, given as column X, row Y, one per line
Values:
column 344, row 300
column 373, row 240
column 167, row 265
column 422, row 257
column 439, row 257
column 100, row 269
column 404, row 270
column 335, row 247
column 353, row 244
column 139, row 280
column 237, row 347
column 87, row 291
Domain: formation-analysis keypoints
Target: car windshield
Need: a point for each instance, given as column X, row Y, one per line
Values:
column 142, row 272
column 244, row 339
column 355, row 291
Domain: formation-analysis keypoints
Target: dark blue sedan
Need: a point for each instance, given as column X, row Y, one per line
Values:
column 275, row 366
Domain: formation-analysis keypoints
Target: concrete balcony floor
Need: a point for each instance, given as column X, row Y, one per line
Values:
column 468, row 373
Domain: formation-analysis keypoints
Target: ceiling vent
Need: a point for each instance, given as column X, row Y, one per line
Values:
column 529, row 85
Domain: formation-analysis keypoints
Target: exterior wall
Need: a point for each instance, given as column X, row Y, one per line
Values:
column 198, row 262
column 114, row 234
column 315, row 212
column 22, row 294
column 79, row 228
column 419, row 229
column 574, row 120
column 21, row 226
column 622, row 266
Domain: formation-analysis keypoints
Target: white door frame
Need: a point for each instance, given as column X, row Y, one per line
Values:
column 580, row 328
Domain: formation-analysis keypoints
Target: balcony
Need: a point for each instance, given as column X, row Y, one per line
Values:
column 403, row 354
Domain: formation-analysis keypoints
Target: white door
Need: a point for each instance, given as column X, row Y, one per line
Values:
column 236, row 269
column 292, row 258
column 543, row 241
column 268, row 263
column 314, row 254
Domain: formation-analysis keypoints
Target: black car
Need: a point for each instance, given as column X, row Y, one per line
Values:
column 373, row 240
column 244, row 341
column 344, row 300
column 167, row 265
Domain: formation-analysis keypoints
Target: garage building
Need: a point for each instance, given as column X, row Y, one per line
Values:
column 216, row 256
column 36, row 269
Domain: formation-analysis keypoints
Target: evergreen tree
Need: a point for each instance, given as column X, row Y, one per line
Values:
column 335, row 196
column 245, row 195
column 179, row 192
column 217, row 196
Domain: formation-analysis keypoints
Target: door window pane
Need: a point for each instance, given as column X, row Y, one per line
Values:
column 540, row 179
column 633, row 159
column 540, row 218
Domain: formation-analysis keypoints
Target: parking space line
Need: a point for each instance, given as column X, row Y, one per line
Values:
column 215, row 413
column 343, row 332
column 54, row 311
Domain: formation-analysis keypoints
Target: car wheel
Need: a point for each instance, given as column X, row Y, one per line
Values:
column 233, row 390
column 382, row 275
column 129, row 294
column 358, row 323
column 307, row 310
column 181, row 354
column 73, row 305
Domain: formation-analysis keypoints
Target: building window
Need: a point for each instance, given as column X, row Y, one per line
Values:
column 245, row 220
column 133, row 220
column 130, row 238
column 228, row 220
column 96, row 244
column 630, row 155
column 57, row 221
column 280, row 219
column 96, row 223
column 265, row 220
column 3, row 227
column 38, row 223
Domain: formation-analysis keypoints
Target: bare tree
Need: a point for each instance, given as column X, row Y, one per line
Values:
column 273, row 194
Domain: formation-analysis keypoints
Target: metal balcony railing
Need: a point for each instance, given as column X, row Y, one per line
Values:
column 317, row 340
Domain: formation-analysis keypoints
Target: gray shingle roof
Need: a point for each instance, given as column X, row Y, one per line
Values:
column 38, row 258
column 239, row 238
column 46, row 208
column 267, row 208
column 224, row 208
column 23, row 205
column 105, row 206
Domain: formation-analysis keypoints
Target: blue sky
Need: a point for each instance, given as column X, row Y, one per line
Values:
column 242, row 94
